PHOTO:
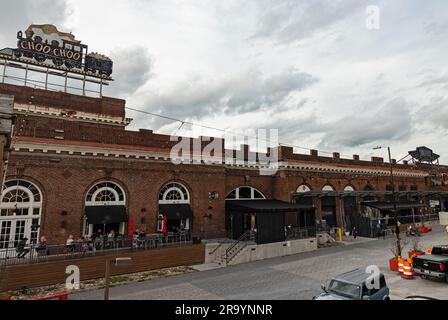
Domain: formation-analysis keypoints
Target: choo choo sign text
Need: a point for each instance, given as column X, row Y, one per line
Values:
column 49, row 50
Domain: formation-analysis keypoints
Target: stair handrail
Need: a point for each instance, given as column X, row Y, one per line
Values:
column 248, row 235
column 217, row 247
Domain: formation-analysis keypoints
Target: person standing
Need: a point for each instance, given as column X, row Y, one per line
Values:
column 354, row 232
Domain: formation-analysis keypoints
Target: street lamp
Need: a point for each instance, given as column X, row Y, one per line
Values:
column 394, row 203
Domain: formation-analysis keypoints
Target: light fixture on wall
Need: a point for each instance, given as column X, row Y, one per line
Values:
column 214, row 195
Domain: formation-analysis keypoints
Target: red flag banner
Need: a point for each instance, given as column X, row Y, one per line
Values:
column 164, row 231
column 131, row 227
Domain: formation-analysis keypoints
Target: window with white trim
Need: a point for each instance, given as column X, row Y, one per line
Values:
column 20, row 213
column 105, row 193
column 245, row 192
column 174, row 192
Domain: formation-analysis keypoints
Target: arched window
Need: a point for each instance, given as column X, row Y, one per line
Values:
column 303, row 188
column 247, row 193
column 174, row 202
column 327, row 188
column 105, row 193
column 20, row 213
column 349, row 188
column 174, row 192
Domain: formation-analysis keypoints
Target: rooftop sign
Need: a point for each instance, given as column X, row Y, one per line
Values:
column 45, row 45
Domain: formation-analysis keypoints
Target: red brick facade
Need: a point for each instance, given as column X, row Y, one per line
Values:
column 65, row 155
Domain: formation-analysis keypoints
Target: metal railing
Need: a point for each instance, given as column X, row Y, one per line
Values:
column 296, row 233
column 238, row 245
column 35, row 253
column 408, row 219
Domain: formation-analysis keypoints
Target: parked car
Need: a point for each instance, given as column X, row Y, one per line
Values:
column 434, row 265
column 419, row 298
column 352, row 286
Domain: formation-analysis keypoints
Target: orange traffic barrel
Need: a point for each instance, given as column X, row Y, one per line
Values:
column 407, row 270
column 400, row 265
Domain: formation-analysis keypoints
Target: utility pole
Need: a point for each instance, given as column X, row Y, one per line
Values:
column 394, row 202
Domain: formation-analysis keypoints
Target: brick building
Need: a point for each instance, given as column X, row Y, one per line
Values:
column 72, row 154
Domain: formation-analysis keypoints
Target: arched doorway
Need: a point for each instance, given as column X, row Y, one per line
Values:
column 328, row 206
column 105, row 206
column 350, row 205
column 174, row 203
column 303, row 195
column 20, row 213
column 248, row 220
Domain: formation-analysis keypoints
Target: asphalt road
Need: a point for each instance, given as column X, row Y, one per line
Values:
column 292, row 277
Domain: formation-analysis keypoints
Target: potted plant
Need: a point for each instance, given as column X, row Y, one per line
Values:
column 416, row 250
column 395, row 248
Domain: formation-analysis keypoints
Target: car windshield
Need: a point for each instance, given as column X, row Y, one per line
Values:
column 344, row 289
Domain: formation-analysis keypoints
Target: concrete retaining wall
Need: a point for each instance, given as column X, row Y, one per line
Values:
column 254, row 252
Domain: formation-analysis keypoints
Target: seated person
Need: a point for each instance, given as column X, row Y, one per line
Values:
column 41, row 248
column 21, row 249
column 70, row 243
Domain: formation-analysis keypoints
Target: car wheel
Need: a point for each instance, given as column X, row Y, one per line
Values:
column 387, row 298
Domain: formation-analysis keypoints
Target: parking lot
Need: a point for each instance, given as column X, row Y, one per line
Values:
column 292, row 277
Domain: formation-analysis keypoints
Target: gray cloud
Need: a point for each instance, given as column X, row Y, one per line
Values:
column 392, row 121
column 240, row 93
column 19, row 14
column 435, row 113
column 132, row 68
column 290, row 20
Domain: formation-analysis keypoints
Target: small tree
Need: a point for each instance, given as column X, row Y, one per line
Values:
column 416, row 244
column 395, row 249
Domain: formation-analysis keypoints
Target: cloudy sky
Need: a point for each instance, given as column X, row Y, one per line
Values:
column 311, row 69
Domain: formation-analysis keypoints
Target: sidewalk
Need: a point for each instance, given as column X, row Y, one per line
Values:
column 349, row 240
column 207, row 266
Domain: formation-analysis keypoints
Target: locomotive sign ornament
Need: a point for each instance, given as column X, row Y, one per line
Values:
column 45, row 44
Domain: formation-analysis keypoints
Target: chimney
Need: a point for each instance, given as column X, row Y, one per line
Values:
column 405, row 162
column 336, row 156
column 394, row 161
column 377, row 159
column 284, row 152
column 356, row 157
column 314, row 153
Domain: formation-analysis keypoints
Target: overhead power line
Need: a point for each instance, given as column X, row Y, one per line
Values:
column 222, row 130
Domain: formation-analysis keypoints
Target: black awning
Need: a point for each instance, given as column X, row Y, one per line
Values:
column 383, row 205
column 259, row 206
column 176, row 210
column 106, row 214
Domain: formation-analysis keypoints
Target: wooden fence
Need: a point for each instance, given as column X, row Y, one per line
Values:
column 17, row 277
